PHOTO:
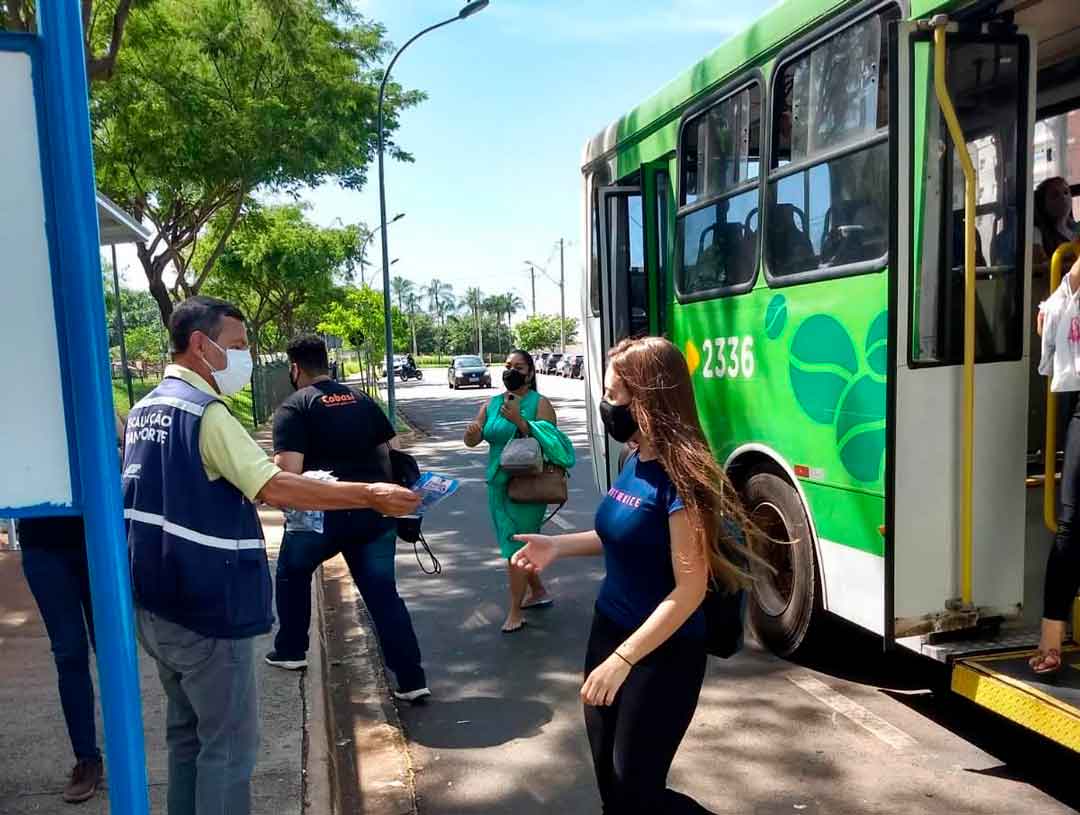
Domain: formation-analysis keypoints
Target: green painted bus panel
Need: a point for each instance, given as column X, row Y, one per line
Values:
column 847, row 517
column 813, row 354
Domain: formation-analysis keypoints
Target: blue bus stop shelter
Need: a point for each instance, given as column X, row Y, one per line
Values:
column 59, row 437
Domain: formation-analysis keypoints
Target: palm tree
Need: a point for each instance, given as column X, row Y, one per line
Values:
column 497, row 304
column 441, row 300
column 512, row 304
column 402, row 287
column 474, row 302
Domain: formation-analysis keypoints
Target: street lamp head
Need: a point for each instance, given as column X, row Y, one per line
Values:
column 472, row 8
column 397, row 217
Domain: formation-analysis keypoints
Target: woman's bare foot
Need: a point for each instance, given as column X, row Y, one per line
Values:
column 513, row 624
column 1048, row 658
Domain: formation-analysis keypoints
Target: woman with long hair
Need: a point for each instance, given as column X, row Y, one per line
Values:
column 504, row 418
column 668, row 526
column 1054, row 221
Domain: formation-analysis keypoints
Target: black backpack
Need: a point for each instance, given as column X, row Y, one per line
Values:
column 724, row 616
column 725, row 612
column 406, row 472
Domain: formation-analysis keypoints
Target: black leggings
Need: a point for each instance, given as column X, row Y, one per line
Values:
column 1063, row 566
column 634, row 740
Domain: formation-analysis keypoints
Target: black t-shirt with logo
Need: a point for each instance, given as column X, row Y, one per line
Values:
column 337, row 429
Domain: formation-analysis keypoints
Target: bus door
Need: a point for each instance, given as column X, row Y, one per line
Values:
column 623, row 302
column 956, row 562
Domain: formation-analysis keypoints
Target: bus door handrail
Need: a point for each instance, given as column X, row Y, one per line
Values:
column 1050, row 451
column 956, row 132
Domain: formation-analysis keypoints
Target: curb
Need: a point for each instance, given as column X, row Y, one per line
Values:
column 320, row 789
column 369, row 760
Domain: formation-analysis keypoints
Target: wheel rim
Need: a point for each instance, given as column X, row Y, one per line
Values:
column 774, row 590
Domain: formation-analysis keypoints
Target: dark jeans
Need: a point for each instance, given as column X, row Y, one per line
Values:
column 371, row 563
column 212, row 716
column 634, row 740
column 60, row 582
column 1063, row 566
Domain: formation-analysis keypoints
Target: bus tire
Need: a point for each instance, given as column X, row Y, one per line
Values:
column 784, row 605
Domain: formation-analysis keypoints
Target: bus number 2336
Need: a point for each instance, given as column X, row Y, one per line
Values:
column 729, row 357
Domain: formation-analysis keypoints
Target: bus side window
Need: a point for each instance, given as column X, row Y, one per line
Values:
column 830, row 213
column 717, row 225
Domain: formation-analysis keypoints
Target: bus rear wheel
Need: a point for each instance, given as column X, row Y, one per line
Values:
column 784, row 600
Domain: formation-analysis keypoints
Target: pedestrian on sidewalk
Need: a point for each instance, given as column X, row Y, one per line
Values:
column 56, row 570
column 326, row 426
column 664, row 530
column 507, row 416
column 198, row 559
column 54, row 562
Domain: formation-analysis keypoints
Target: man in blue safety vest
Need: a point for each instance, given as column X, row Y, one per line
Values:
column 198, row 561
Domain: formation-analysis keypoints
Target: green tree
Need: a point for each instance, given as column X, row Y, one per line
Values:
column 512, row 303
column 358, row 319
column 474, row 303
column 215, row 100
column 538, row 331
column 104, row 22
column 277, row 265
column 402, row 288
column 441, row 300
column 137, row 305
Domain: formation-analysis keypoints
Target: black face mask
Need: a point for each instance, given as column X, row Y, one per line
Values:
column 618, row 421
column 293, row 381
column 513, row 379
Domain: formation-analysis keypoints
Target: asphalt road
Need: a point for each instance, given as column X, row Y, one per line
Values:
column 853, row 731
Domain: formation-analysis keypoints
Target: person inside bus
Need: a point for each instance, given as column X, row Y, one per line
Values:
column 665, row 529
column 1054, row 221
column 1058, row 323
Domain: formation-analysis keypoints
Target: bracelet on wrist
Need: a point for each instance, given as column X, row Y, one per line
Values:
column 624, row 659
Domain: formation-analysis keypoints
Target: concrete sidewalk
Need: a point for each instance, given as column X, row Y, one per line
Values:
column 35, row 754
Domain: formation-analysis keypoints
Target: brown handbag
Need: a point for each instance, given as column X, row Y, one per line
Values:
column 548, row 487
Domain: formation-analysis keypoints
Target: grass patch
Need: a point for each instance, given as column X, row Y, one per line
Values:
column 239, row 405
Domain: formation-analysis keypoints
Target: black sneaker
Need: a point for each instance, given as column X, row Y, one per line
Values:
column 278, row 661
column 86, row 777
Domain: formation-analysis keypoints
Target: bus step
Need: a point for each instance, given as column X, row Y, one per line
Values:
column 987, row 628
column 1006, row 685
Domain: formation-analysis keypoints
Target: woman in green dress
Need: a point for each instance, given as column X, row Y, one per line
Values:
column 499, row 421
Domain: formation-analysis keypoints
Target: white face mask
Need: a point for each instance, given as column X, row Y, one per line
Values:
column 237, row 371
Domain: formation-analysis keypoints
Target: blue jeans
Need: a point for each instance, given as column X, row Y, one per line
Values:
column 60, row 582
column 212, row 717
column 371, row 564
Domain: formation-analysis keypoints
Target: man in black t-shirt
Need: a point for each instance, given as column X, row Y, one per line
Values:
column 327, row 426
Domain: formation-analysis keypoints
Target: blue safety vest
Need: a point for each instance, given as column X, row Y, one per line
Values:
column 197, row 552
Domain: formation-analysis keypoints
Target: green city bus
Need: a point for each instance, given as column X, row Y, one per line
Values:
column 855, row 301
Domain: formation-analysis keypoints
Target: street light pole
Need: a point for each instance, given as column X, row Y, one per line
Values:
column 367, row 240
column 562, row 293
column 468, row 10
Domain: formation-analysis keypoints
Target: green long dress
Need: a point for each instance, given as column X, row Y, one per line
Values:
column 509, row 518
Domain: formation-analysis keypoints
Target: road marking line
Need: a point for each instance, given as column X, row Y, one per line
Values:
column 562, row 523
column 871, row 722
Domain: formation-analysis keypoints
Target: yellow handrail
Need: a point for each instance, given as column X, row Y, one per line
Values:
column 967, row 454
column 1050, row 451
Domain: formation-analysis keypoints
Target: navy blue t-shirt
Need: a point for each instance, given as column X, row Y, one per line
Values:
column 632, row 522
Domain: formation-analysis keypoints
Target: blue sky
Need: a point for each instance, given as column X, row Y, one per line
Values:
column 514, row 92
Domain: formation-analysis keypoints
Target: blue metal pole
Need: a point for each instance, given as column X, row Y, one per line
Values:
column 86, row 364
